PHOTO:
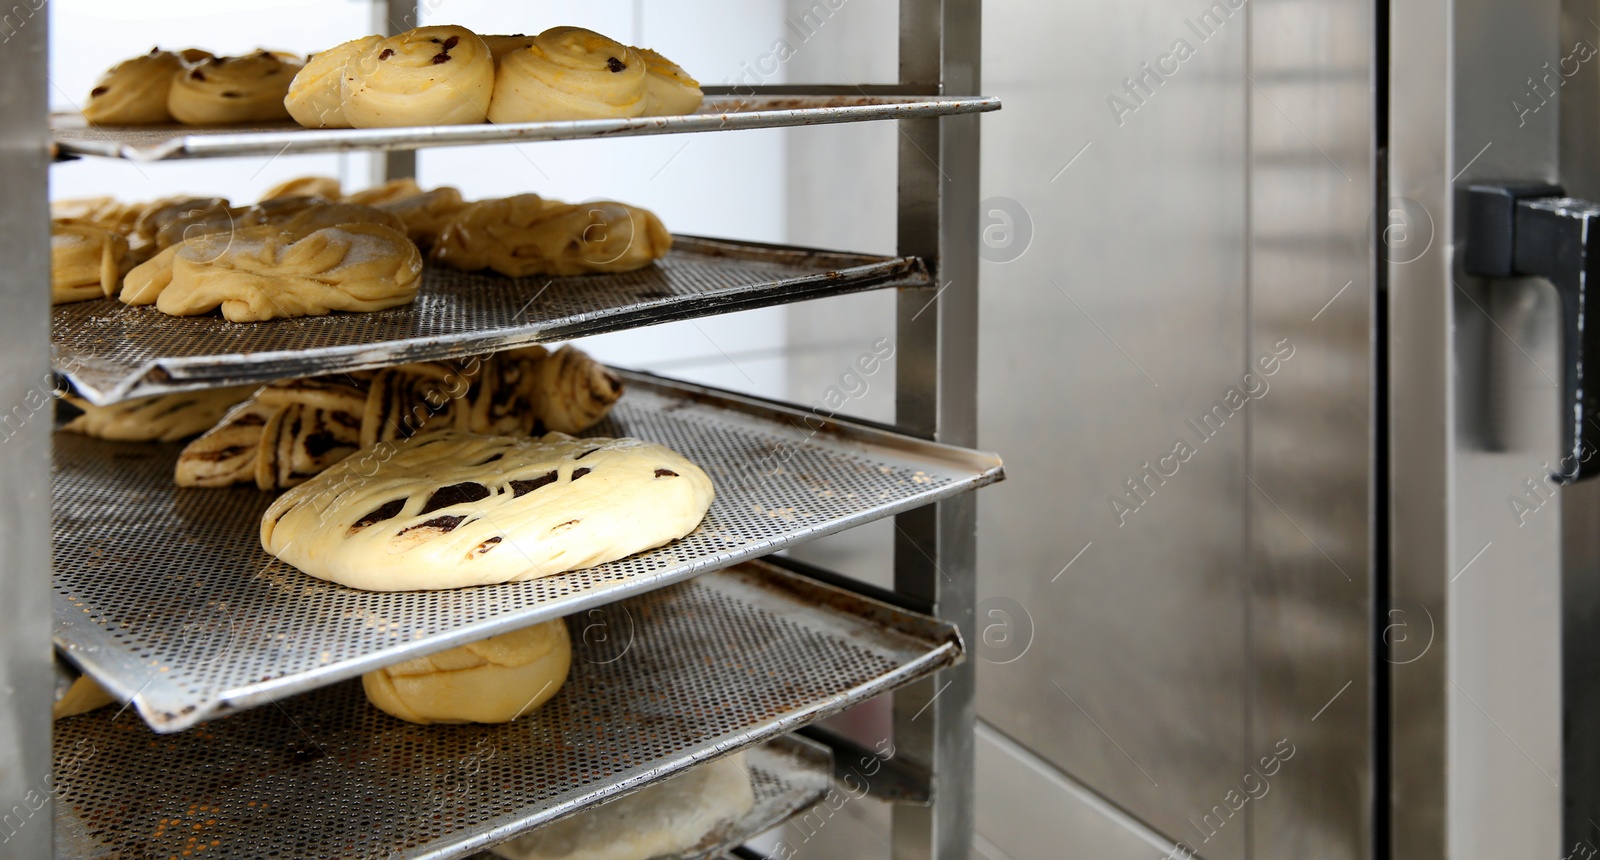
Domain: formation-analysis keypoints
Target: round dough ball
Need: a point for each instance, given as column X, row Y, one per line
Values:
column 234, row 89
column 426, row 76
column 668, row 89
column 316, row 97
column 134, row 92
column 494, row 681
column 569, row 73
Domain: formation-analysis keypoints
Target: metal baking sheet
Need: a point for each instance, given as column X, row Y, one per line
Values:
column 166, row 597
column 678, row 676
column 113, row 352
column 788, row 774
column 74, row 136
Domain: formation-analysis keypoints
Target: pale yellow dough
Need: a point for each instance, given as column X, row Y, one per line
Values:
column 85, row 261
column 427, row 76
column 83, row 696
column 678, row 815
column 449, row 510
column 568, row 73
column 529, row 235
column 496, row 680
column 224, row 90
column 668, row 89
column 316, row 96
column 325, row 187
column 134, row 91
column 162, row 418
column 265, row 272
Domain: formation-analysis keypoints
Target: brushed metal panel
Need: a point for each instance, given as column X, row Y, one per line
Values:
column 27, row 676
column 1476, row 758
column 1123, row 319
column 1310, row 470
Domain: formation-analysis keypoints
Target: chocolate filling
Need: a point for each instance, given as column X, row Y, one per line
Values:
column 98, row 91
column 524, row 487
column 386, row 53
column 486, row 545
column 387, row 511
column 578, row 473
column 197, row 75
column 443, row 524
column 586, row 453
column 614, row 64
column 455, row 494
column 666, row 473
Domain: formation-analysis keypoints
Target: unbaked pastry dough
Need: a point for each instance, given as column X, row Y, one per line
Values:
column 325, row 187
column 683, row 813
column 159, row 215
column 571, row 392
column 668, row 89
column 107, row 213
column 234, row 89
column 226, row 454
column 264, row 272
column 499, row 46
column 83, row 696
column 162, row 418
column 134, row 91
column 568, row 73
column 496, row 680
column 427, row 76
column 85, row 261
column 316, row 96
column 450, row 510
column 530, row 235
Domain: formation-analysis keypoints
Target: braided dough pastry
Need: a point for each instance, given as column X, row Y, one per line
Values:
column 683, row 814
column 159, row 215
column 85, row 261
column 325, row 187
column 264, row 272
column 234, row 89
column 494, row 681
column 163, row 418
column 450, row 510
column 529, row 235
column 107, row 213
column 568, row 73
column 426, row 76
column 668, row 89
column 134, row 92
column 316, row 95
column 504, row 394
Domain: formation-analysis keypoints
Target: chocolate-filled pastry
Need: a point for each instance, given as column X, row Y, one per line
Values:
column 223, row 90
column 668, row 89
column 449, row 510
column 411, row 399
column 316, row 95
column 258, row 442
column 134, row 91
column 226, row 454
column 162, row 418
column 568, row 73
column 426, row 76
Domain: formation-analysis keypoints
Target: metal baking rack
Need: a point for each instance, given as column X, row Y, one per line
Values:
column 113, row 352
column 165, row 596
column 680, row 676
column 74, row 137
column 292, row 774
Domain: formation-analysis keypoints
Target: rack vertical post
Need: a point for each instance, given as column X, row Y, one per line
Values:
column 936, row 397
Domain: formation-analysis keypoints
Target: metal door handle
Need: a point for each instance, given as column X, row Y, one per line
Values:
column 1531, row 229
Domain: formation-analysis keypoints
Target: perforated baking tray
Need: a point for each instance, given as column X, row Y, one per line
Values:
column 680, row 676
column 788, row 774
column 73, row 136
column 165, row 596
column 112, row 351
